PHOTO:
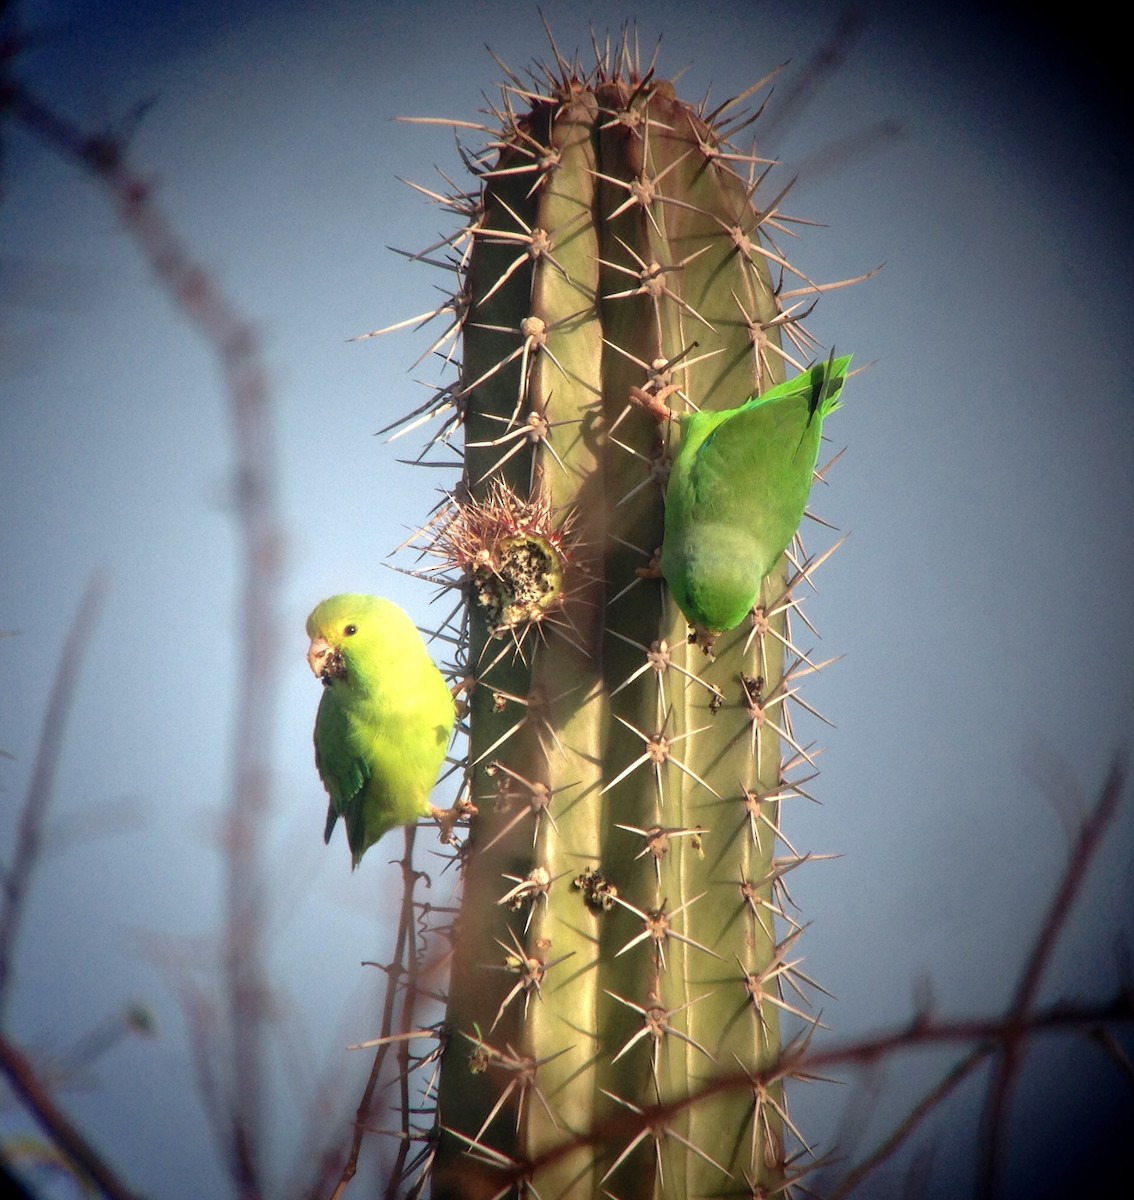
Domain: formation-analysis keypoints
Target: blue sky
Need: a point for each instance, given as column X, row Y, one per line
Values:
column 981, row 603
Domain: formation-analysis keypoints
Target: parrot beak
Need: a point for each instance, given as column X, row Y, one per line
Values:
column 319, row 658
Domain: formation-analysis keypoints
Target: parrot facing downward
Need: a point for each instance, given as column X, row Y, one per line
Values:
column 737, row 491
column 384, row 719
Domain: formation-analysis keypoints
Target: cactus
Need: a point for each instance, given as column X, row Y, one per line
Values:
column 623, row 938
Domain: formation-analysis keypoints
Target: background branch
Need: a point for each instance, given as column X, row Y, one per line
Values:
column 235, row 344
column 24, row 1081
column 18, row 875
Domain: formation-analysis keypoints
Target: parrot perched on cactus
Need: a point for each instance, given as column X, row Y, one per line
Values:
column 737, row 491
column 384, row 719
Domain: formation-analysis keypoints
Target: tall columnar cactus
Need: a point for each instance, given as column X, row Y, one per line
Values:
column 622, row 939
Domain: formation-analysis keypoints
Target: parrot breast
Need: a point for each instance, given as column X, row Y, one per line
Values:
column 712, row 575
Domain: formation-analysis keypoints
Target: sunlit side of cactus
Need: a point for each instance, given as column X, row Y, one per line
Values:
column 623, row 939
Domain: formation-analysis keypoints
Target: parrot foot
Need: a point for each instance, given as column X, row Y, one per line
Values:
column 447, row 818
column 652, row 570
column 705, row 638
column 460, row 690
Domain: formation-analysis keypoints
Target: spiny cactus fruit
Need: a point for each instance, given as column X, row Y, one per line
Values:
column 624, row 937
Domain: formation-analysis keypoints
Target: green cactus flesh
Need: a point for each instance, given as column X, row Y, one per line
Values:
column 622, row 941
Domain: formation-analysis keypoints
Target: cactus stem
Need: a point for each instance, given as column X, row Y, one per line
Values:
column 763, row 626
column 657, row 841
column 659, row 658
column 763, row 988
column 759, row 707
column 523, row 1069
column 657, row 1129
column 643, row 190
column 756, row 805
column 659, row 375
column 535, row 717
column 515, row 1170
column 657, row 753
column 759, row 905
column 537, row 803
column 652, row 282
column 636, row 579
column 658, row 469
column 764, row 1099
column 530, row 967
column 656, row 1024
column 658, row 927
column 610, row 222
column 535, row 431
column 762, row 345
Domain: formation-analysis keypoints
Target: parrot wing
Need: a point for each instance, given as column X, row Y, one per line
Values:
column 344, row 772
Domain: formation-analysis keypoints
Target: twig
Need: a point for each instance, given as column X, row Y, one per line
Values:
column 1015, row 1020
column 21, row 1075
column 394, row 971
column 235, row 344
column 987, row 1036
column 984, row 1033
column 41, row 785
column 913, row 1119
column 412, row 966
column 17, row 1069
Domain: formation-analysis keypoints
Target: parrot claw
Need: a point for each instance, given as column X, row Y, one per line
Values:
column 447, row 818
column 652, row 570
column 705, row 638
column 460, row 690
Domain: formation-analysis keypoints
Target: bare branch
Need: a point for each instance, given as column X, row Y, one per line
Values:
column 235, row 344
column 18, row 876
column 24, row 1081
column 1016, row 1018
column 403, row 948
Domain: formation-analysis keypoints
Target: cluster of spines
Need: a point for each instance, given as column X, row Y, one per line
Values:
column 617, row 947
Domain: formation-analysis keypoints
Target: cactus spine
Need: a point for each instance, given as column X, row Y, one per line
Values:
column 617, row 947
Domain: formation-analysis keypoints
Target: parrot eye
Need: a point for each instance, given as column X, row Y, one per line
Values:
column 350, row 630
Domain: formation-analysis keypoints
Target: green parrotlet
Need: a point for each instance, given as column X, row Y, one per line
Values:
column 737, row 491
column 384, row 721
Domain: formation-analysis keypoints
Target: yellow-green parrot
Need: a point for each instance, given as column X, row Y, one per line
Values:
column 384, row 720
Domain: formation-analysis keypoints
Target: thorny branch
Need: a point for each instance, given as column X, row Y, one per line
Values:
column 987, row 1034
column 24, row 1081
column 403, row 961
column 16, row 1068
column 18, row 874
column 235, row 344
column 1016, row 1019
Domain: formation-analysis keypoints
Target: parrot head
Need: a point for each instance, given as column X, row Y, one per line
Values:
column 341, row 629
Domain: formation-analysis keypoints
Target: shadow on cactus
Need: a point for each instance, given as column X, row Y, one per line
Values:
column 625, row 937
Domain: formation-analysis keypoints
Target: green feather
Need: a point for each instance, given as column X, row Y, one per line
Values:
column 384, row 720
column 737, row 492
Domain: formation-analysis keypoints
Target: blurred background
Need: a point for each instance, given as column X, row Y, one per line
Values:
column 981, row 604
